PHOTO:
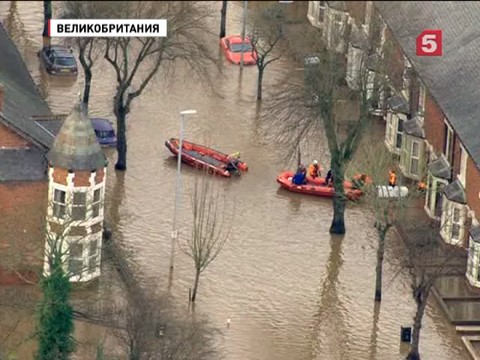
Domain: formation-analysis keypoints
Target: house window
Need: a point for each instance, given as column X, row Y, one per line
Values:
column 75, row 258
column 421, row 100
column 97, row 200
column 394, row 132
column 448, row 144
column 399, row 134
column 415, row 159
column 59, row 203
column 321, row 11
column 463, row 166
column 453, row 222
column 79, row 205
column 93, row 256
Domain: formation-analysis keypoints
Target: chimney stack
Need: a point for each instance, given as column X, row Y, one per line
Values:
column 2, row 97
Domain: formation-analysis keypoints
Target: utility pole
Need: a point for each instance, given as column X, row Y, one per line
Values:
column 245, row 6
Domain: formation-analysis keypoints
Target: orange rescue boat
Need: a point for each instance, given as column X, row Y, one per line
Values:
column 317, row 186
column 203, row 157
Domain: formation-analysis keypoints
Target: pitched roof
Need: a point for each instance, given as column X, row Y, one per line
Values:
column 452, row 78
column 22, row 165
column 76, row 146
column 21, row 98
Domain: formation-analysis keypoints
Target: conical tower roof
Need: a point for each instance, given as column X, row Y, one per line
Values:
column 76, row 147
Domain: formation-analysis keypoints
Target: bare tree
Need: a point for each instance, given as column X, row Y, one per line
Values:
column 223, row 19
column 47, row 16
column 90, row 48
column 426, row 258
column 267, row 33
column 210, row 231
column 137, row 60
column 389, row 206
column 313, row 107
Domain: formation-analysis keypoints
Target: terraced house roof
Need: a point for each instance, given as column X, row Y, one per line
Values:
column 453, row 79
column 22, row 99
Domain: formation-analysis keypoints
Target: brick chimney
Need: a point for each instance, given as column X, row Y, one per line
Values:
column 2, row 93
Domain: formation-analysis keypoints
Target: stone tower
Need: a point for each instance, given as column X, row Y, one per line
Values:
column 77, row 172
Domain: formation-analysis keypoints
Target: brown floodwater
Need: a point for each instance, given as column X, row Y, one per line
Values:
column 290, row 289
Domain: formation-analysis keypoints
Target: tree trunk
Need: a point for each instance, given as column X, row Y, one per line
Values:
column 414, row 353
column 382, row 233
column 260, row 81
column 87, row 86
column 121, row 115
column 339, row 200
column 338, row 222
column 195, row 285
column 223, row 20
column 47, row 15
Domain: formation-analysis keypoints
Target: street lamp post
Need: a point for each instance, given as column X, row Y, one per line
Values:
column 177, row 185
column 245, row 7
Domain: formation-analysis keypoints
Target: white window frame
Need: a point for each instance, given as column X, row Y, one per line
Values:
column 463, row 166
column 434, row 186
column 77, row 206
column 412, row 157
column 59, row 204
column 448, row 221
column 392, row 133
column 79, row 258
column 448, row 145
column 97, row 203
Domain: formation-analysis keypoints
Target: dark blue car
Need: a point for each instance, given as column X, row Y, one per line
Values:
column 105, row 132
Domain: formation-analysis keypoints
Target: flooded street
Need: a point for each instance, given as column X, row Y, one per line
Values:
column 290, row 289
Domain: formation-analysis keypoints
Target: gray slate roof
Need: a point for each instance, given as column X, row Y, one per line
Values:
column 414, row 127
column 475, row 234
column 440, row 168
column 455, row 192
column 453, row 79
column 22, row 98
column 22, row 165
column 398, row 104
column 76, row 146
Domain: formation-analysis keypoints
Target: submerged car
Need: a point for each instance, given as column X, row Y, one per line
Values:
column 232, row 47
column 59, row 60
column 104, row 131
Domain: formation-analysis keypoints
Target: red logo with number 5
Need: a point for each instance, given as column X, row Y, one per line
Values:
column 429, row 43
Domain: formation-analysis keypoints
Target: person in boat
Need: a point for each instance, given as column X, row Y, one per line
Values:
column 359, row 182
column 329, row 178
column 314, row 170
column 300, row 177
column 392, row 178
column 233, row 160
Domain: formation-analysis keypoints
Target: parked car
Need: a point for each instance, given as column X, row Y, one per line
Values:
column 232, row 47
column 104, row 131
column 59, row 60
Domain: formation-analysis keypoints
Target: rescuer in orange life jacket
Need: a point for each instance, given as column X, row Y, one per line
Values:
column 392, row 178
column 314, row 170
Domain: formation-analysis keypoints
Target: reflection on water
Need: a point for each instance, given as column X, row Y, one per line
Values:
column 290, row 289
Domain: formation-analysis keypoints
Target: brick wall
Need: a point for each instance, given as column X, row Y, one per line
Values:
column 10, row 139
column 434, row 124
column 473, row 187
column 22, row 227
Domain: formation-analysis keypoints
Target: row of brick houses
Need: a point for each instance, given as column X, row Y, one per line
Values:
column 48, row 183
column 429, row 104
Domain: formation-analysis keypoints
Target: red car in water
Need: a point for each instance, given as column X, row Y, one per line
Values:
column 232, row 47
